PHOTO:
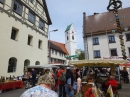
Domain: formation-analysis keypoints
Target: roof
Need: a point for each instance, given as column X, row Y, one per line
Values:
column 96, row 63
column 58, row 46
column 68, row 28
column 47, row 13
column 99, row 23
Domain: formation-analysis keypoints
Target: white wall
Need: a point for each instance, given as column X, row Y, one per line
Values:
column 105, row 47
column 19, row 48
column 70, row 44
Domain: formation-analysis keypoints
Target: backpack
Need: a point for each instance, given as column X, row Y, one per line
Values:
column 62, row 77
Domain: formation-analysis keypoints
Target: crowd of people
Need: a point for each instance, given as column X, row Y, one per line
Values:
column 65, row 82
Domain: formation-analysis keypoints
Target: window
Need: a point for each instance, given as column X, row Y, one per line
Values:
column 41, row 24
column 40, row 44
column 37, row 63
column 56, row 52
column 111, row 39
column 113, row 52
column 73, row 37
column 31, row 17
column 129, row 50
column 128, row 37
column 97, row 54
column 2, row 1
column 95, row 41
column 52, row 51
column 31, row 1
column 26, row 64
column 30, row 40
column 12, row 65
column 14, row 34
column 67, row 38
column 17, row 7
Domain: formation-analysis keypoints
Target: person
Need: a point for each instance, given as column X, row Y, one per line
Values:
column 69, row 82
column 111, row 81
column 61, row 83
column 78, row 80
column 28, row 80
column 43, row 89
column 34, row 74
column 125, row 75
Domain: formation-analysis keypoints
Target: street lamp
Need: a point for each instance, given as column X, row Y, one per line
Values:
column 114, row 5
column 49, row 43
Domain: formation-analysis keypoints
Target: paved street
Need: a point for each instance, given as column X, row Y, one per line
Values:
column 125, row 92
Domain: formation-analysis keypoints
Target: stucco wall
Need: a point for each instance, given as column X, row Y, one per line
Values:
column 105, row 47
column 19, row 48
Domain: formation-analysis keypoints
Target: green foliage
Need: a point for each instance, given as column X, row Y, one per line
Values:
column 81, row 54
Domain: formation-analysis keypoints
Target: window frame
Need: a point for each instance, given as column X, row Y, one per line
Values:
column 111, row 36
column 126, row 36
column 14, row 37
column 16, row 9
column 97, row 55
column 31, row 39
column 72, row 37
column 31, row 1
column 2, row 2
column 94, row 40
column 40, row 20
column 40, row 44
column 32, row 13
column 67, row 38
column 114, row 49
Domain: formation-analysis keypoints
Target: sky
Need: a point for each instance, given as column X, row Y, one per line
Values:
column 66, row 12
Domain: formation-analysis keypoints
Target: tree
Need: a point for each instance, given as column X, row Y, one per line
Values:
column 81, row 54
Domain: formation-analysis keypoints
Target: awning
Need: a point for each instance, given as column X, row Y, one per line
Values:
column 97, row 63
column 127, row 64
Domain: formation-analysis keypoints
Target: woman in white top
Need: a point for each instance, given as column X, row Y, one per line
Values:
column 78, row 77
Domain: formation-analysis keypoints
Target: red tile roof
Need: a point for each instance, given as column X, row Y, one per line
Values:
column 59, row 45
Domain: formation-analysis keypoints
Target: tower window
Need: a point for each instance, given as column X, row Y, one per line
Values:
column 73, row 37
column 67, row 38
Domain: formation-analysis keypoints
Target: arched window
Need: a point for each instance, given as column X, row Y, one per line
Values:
column 26, row 64
column 67, row 38
column 12, row 65
column 73, row 37
column 37, row 63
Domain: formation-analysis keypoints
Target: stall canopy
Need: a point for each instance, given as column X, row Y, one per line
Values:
column 97, row 63
column 127, row 64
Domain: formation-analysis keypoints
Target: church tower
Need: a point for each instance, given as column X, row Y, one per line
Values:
column 70, row 39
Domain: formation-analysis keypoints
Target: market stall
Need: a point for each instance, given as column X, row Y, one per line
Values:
column 11, row 85
column 97, row 63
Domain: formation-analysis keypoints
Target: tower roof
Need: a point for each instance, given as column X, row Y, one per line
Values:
column 68, row 28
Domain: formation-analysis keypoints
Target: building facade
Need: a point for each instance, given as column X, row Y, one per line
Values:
column 24, row 35
column 60, row 52
column 57, row 53
column 101, row 39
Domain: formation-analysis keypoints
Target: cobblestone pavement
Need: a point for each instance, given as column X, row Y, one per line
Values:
column 125, row 92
